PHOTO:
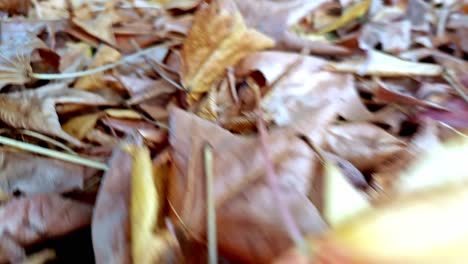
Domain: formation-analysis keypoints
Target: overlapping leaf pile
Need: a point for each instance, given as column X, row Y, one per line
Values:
column 264, row 131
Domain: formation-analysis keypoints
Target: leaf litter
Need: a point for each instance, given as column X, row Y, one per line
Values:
column 191, row 131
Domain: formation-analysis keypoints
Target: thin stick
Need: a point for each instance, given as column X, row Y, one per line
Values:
column 67, row 75
column 211, row 213
column 52, row 153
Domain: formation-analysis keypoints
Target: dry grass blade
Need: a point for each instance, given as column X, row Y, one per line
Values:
column 211, row 213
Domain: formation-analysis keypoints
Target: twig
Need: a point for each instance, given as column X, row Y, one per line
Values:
column 52, row 153
column 211, row 211
column 67, row 75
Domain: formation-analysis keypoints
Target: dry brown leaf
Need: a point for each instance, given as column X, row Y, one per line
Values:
column 304, row 87
column 244, row 208
column 15, row 6
column 362, row 144
column 28, row 220
column 100, row 26
column 35, row 109
column 30, row 174
column 111, row 218
column 211, row 47
column 275, row 18
column 115, row 237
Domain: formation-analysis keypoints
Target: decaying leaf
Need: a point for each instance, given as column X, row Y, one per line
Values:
column 35, row 109
column 28, row 220
column 243, row 199
column 380, row 64
column 29, row 174
column 211, row 47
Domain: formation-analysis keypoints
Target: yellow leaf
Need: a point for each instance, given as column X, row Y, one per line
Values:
column 123, row 113
column 211, row 47
column 104, row 55
column 430, row 227
column 147, row 246
column 354, row 12
column 342, row 200
column 80, row 126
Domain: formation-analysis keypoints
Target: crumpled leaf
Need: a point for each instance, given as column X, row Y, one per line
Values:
column 30, row 174
column 304, row 88
column 363, row 144
column 124, row 221
column 275, row 18
column 244, row 208
column 210, row 47
column 28, row 220
column 35, row 109
column 380, row 64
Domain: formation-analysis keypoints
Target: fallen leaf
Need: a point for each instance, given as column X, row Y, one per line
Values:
column 211, row 47
column 29, row 220
column 100, row 26
column 35, row 109
column 304, row 87
column 29, row 174
column 124, row 220
column 380, row 64
column 275, row 18
column 244, row 211
column 123, row 113
column 455, row 114
column 104, row 55
column 362, row 144
column 14, row 6
column 81, row 125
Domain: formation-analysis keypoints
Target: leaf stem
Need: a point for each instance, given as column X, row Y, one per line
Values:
column 67, row 75
column 52, row 153
column 211, row 211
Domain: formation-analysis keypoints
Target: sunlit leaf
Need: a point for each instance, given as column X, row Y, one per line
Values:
column 211, row 47
column 342, row 199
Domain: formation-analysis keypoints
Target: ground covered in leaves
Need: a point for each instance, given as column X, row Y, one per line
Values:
column 233, row 131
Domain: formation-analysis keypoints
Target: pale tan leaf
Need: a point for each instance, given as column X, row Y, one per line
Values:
column 380, row 64
column 100, row 26
column 81, row 125
column 211, row 47
column 35, row 109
